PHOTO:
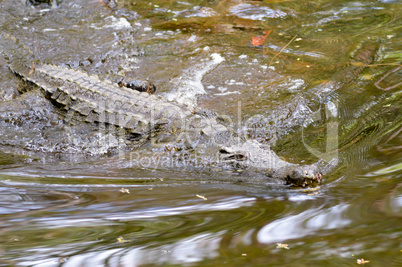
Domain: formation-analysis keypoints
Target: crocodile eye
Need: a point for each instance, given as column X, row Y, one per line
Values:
column 239, row 156
column 305, row 172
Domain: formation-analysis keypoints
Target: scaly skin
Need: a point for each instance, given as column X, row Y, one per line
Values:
column 146, row 117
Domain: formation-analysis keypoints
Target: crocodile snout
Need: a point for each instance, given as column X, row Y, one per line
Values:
column 304, row 176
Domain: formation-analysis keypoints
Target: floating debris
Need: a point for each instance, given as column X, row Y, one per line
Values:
column 63, row 259
column 280, row 245
column 124, row 190
column 362, row 261
column 202, row 197
column 283, row 48
column 121, row 240
column 32, row 70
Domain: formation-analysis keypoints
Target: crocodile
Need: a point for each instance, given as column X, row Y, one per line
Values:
column 146, row 118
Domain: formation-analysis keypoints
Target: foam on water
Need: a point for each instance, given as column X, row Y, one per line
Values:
column 118, row 24
column 189, row 85
column 113, row 23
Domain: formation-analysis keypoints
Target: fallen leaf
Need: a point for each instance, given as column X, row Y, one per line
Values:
column 259, row 40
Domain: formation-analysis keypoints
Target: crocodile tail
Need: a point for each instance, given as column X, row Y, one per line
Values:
column 20, row 57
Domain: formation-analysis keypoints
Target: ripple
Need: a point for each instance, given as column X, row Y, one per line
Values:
column 303, row 224
column 15, row 200
column 185, row 251
column 254, row 12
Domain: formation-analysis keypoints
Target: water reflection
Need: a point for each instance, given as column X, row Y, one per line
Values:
column 303, row 224
column 186, row 251
column 254, row 12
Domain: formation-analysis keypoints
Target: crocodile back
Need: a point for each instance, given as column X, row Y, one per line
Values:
column 104, row 101
column 93, row 99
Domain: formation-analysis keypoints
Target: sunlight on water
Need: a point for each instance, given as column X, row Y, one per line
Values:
column 189, row 85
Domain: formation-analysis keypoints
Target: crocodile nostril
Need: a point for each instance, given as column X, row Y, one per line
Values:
column 223, row 151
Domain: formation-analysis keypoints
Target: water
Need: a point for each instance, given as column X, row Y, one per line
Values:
column 325, row 84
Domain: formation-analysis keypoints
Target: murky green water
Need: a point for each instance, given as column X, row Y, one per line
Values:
column 325, row 83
